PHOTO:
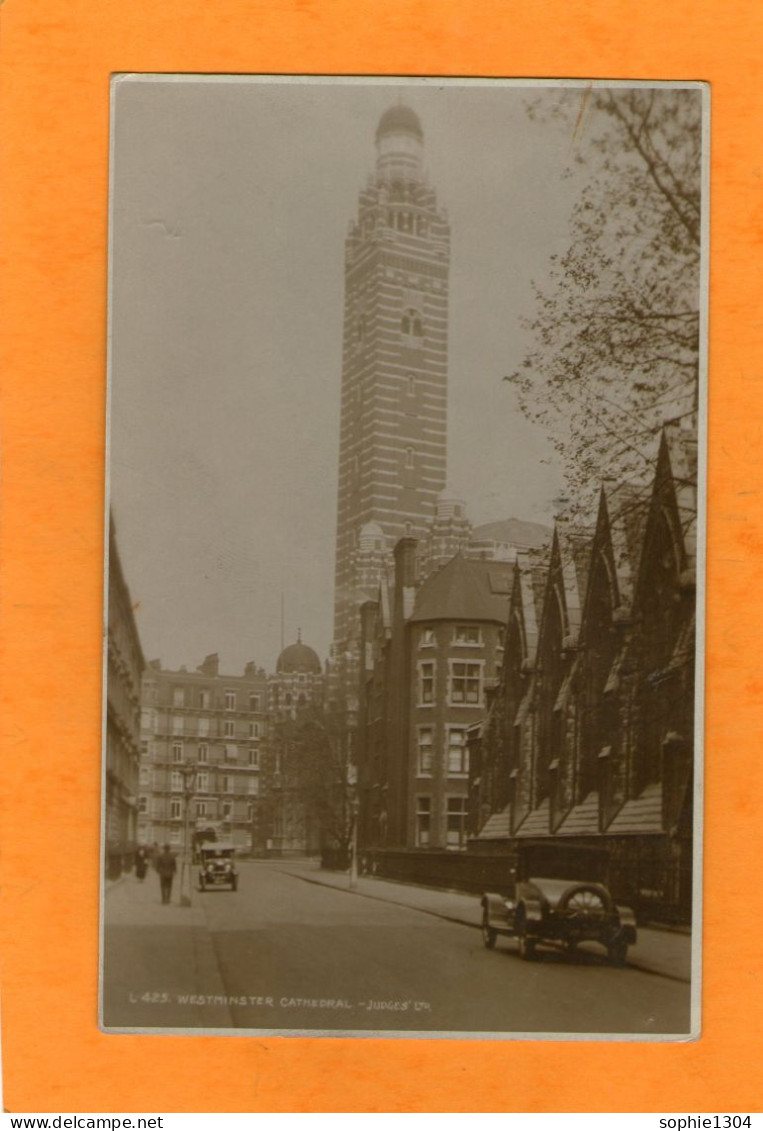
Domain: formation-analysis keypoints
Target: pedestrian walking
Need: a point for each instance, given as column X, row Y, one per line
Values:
column 166, row 867
column 141, row 863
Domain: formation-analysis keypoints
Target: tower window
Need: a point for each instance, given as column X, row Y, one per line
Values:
column 411, row 327
column 409, row 458
column 411, row 385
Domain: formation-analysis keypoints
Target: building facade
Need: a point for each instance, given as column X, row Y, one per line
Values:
column 586, row 756
column 392, row 448
column 202, row 734
column 288, row 819
column 431, row 655
column 124, row 661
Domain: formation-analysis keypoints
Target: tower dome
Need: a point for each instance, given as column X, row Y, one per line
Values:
column 399, row 145
column 371, row 538
column 399, row 119
column 298, row 657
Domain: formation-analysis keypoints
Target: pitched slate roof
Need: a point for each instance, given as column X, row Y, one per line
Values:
column 466, row 590
column 536, row 823
column 497, row 826
column 582, row 819
column 642, row 814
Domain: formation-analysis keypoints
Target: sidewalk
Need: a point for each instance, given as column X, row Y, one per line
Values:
column 149, row 972
column 667, row 953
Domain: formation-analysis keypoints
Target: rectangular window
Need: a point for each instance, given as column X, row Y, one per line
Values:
column 202, row 782
column 466, row 683
column 203, row 752
column 201, row 808
column 230, row 729
column 177, row 752
column 427, row 640
column 227, row 810
column 204, row 700
column 176, row 781
column 174, row 836
column 175, row 810
column 177, row 724
column 178, row 696
column 458, row 754
column 423, row 818
column 230, row 700
column 470, row 634
column 456, row 823
column 231, row 752
column 424, row 767
column 142, row 804
column 254, row 786
column 254, row 702
column 229, row 783
column 426, row 682
column 144, row 775
column 250, row 812
column 204, row 726
column 254, row 730
column 254, row 758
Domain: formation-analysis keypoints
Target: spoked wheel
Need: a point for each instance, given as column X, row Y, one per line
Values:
column 526, row 942
column 489, row 935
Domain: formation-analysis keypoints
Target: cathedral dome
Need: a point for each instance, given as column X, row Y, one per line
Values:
column 399, row 119
column 371, row 538
column 298, row 657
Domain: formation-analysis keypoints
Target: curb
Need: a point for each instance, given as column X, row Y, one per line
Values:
column 633, row 964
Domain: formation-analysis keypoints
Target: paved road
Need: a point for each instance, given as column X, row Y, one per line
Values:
column 284, row 954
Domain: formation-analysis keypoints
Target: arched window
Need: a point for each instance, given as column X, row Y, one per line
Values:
column 411, row 327
column 409, row 458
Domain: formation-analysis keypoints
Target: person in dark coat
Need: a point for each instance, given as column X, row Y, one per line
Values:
column 166, row 866
column 141, row 862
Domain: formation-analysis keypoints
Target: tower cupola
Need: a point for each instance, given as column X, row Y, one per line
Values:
column 399, row 145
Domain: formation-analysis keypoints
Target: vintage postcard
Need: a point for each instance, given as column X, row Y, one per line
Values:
column 405, row 574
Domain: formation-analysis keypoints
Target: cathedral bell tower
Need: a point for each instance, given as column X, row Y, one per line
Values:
column 392, row 448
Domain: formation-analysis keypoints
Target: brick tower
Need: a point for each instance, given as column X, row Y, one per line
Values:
column 392, row 448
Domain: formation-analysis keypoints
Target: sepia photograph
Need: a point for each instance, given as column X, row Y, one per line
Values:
column 403, row 640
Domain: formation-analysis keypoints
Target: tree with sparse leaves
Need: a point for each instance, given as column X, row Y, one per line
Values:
column 309, row 766
column 616, row 329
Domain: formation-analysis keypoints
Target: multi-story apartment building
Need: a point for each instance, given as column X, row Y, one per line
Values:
column 122, row 737
column 201, row 739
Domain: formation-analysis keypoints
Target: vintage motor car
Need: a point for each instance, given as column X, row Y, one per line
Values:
column 559, row 911
column 217, row 867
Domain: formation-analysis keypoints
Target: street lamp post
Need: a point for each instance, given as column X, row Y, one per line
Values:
column 189, row 781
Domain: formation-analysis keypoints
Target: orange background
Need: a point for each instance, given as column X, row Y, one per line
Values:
column 57, row 58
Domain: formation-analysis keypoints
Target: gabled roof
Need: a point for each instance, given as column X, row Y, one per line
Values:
column 680, row 447
column 466, row 590
column 570, row 560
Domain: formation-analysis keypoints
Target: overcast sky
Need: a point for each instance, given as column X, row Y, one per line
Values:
column 231, row 202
